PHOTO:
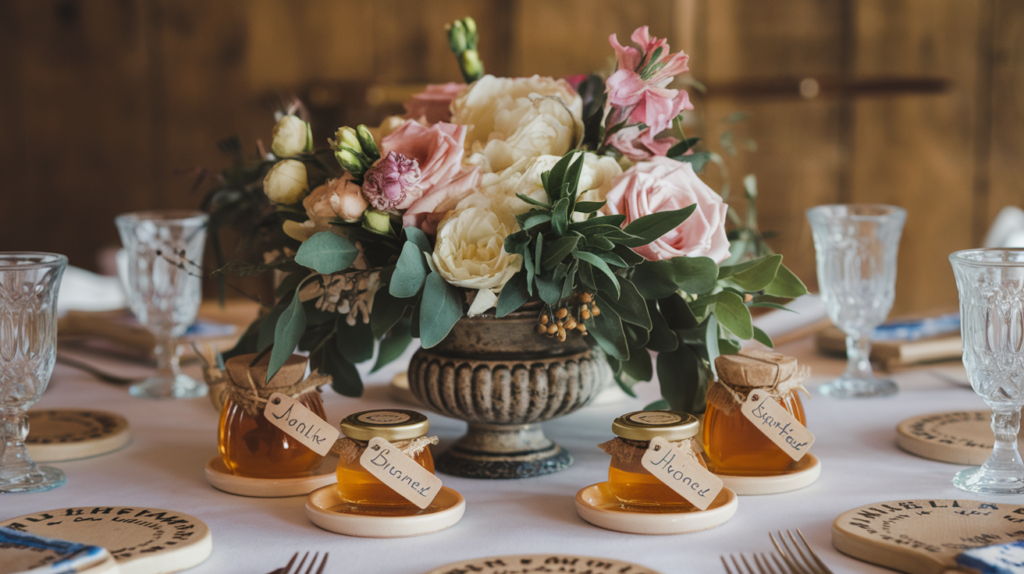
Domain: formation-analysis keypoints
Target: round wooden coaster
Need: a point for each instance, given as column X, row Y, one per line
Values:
column 805, row 472
column 66, row 434
column 597, row 505
column 326, row 509
column 924, row 536
column 522, row 563
column 141, row 540
column 959, row 437
column 219, row 477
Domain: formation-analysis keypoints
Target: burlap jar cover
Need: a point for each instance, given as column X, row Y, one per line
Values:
column 776, row 374
column 349, row 449
column 630, row 453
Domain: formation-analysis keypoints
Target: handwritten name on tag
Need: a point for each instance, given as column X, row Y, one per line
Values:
column 400, row 472
column 300, row 423
column 777, row 424
column 680, row 471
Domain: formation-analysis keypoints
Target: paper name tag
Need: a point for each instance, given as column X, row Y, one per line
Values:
column 777, row 424
column 300, row 423
column 680, row 471
column 400, row 472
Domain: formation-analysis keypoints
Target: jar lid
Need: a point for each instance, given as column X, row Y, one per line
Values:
column 645, row 425
column 388, row 424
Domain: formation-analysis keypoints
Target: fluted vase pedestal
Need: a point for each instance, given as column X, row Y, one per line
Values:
column 504, row 380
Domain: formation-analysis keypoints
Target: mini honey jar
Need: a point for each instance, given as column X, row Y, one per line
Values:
column 249, row 444
column 365, row 493
column 628, row 480
column 733, row 445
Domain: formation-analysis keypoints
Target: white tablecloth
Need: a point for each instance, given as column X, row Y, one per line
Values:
column 172, row 440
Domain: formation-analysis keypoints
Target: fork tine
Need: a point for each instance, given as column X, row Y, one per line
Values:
column 805, row 562
column 301, row 562
column 787, row 554
column 782, row 566
column 312, row 563
column 726, row 564
column 821, row 565
column 764, row 564
column 323, row 564
column 288, row 567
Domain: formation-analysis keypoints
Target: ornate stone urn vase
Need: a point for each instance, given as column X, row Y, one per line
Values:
column 504, row 379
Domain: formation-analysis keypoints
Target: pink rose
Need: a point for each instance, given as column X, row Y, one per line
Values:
column 337, row 198
column 437, row 151
column 638, row 89
column 433, row 104
column 430, row 209
column 664, row 184
column 638, row 145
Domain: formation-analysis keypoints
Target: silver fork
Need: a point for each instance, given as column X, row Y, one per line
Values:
column 757, row 564
column 298, row 569
column 807, row 563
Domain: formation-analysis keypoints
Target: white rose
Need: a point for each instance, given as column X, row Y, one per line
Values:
column 525, row 177
column 292, row 136
column 510, row 119
column 286, row 182
column 470, row 251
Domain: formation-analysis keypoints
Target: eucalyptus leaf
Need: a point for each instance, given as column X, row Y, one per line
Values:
column 677, row 313
column 659, row 279
column 537, row 219
column 651, row 227
column 441, row 308
column 752, row 275
column 410, row 272
column 630, row 306
column 639, row 366
column 287, row 333
column 586, row 274
column 345, row 379
column 268, row 323
column 728, row 346
column 698, row 160
column 763, row 338
column 786, row 284
column 326, row 253
column 589, row 206
column 683, row 380
column 387, row 311
column 549, row 284
column 600, row 243
column 419, row 238
column 661, row 338
column 556, row 251
column 393, row 344
column 606, row 329
column 513, row 295
column 600, row 265
column 733, row 314
column 560, row 216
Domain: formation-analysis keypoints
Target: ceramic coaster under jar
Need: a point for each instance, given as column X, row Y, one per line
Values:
column 386, row 484
column 222, row 479
column 141, row 540
column 69, row 434
column 755, row 416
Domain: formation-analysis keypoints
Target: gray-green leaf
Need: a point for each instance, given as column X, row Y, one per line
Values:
column 326, row 253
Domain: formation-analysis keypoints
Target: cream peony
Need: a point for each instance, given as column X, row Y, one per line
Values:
column 286, row 183
column 292, row 136
column 510, row 119
column 525, row 177
column 470, row 251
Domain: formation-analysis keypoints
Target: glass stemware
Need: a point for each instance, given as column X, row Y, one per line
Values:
column 991, row 286
column 856, row 247
column 28, row 337
column 165, row 252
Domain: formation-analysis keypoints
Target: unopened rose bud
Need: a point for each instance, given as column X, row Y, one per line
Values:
column 377, row 221
column 472, row 67
column 367, row 144
column 350, row 161
column 346, row 136
column 286, row 183
column 457, row 37
column 292, row 136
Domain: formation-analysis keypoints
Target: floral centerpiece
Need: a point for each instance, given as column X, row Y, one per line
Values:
column 575, row 199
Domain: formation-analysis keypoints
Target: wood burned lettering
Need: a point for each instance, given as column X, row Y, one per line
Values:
column 776, row 423
column 300, row 423
column 399, row 472
column 681, row 472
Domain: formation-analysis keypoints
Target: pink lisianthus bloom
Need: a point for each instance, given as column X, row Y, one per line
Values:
column 427, row 212
column 436, row 152
column 433, row 104
column 664, row 184
column 638, row 86
column 638, row 145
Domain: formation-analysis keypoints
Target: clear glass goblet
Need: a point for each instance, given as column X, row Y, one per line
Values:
column 856, row 247
column 991, row 286
column 28, row 339
column 165, row 254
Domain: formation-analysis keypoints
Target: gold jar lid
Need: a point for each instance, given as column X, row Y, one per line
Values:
column 645, row 425
column 388, row 424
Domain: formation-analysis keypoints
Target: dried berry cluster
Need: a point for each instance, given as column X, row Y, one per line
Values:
column 556, row 322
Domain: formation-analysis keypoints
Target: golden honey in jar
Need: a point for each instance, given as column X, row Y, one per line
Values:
column 732, row 444
column 365, row 493
column 628, row 480
column 249, row 444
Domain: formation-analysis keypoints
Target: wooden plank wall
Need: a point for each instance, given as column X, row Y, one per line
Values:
column 102, row 100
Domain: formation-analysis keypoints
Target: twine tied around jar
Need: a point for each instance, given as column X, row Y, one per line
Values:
column 253, row 398
column 629, row 453
column 349, row 449
column 738, row 375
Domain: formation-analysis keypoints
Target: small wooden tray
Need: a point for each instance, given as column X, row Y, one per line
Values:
column 598, row 506
column 141, row 540
column 924, row 536
column 963, row 437
column 68, row 434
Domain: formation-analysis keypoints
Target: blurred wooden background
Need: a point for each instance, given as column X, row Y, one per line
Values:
column 102, row 100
